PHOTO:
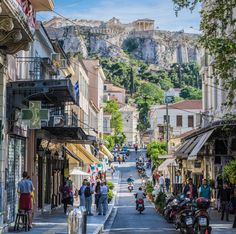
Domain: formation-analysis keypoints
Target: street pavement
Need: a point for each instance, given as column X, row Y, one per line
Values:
column 127, row 219
column 56, row 221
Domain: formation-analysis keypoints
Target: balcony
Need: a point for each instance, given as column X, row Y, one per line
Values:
column 63, row 126
column 43, row 5
column 16, row 25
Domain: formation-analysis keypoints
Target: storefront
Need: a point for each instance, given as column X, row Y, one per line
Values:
column 16, row 166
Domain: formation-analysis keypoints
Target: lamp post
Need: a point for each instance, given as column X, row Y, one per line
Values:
column 169, row 97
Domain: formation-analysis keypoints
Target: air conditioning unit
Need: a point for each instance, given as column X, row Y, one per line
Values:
column 56, row 121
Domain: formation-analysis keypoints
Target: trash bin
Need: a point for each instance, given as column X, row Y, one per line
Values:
column 75, row 220
column 84, row 219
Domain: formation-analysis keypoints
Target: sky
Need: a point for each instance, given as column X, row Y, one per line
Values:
column 162, row 11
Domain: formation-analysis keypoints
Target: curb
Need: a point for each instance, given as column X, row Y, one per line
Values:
column 100, row 227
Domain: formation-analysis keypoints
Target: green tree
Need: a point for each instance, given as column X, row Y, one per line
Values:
column 155, row 149
column 112, row 107
column 218, row 38
column 147, row 95
column 230, row 171
column 191, row 93
column 109, row 142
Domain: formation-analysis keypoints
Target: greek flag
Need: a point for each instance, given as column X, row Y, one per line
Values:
column 77, row 88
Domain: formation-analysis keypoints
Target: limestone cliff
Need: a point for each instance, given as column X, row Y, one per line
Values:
column 138, row 38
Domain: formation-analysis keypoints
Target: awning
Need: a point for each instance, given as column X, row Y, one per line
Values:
column 201, row 140
column 167, row 163
column 71, row 153
column 101, row 154
column 104, row 149
column 79, row 154
column 181, row 151
column 77, row 172
column 86, row 153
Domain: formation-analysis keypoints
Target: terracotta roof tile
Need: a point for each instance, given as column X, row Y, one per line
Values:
column 186, row 105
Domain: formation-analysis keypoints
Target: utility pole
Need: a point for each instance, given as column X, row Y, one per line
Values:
column 131, row 82
column 167, row 124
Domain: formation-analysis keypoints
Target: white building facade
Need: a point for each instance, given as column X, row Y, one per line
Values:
column 183, row 117
column 130, row 120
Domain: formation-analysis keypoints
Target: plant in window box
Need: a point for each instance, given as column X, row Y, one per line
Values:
column 56, row 63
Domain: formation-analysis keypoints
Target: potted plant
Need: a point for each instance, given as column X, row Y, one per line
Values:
column 149, row 189
column 160, row 202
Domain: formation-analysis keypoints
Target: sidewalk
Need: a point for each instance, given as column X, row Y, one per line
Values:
column 56, row 221
column 219, row 226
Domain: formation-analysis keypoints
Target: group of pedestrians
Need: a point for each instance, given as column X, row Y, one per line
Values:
column 98, row 191
column 225, row 195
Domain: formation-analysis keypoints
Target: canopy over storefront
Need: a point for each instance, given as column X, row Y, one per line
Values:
column 104, row 150
column 77, row 172
column 166, row 163
column 193, row 145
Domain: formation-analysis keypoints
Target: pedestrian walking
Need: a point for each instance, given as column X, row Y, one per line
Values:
column 103, row 201
column 81, row 193
column 113, row 170
column 25, row 189
column 190, row 190
column 119, row 159
column 97, row 194
column 224, row 197
column 67, row 194
column 205, row 190
column 162, row 183
column 167, row 183
column 88, row 198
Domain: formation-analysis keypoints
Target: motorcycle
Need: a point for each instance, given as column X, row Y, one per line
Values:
column 202, row 224
column 140, row 205
column 130, row 187
column 172, row 208
column 185, row 217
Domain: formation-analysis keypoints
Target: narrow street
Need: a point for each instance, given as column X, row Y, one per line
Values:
column 127, row 219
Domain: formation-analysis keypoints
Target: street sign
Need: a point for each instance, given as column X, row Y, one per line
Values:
column 169, row 99
column 34, row 115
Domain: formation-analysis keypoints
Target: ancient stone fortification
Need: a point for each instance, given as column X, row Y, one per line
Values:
column 139, row 38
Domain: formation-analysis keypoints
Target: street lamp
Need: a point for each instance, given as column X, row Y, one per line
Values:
column 169, row 97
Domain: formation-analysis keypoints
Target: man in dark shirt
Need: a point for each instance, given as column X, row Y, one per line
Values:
column 190, row 190
column 224, row 196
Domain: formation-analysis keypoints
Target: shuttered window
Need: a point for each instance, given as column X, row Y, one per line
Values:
column 190, row 121
column 179, row 120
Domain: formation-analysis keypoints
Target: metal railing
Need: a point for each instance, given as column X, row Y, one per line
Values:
column 38, row 68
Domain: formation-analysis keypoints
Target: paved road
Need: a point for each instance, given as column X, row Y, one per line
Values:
column 127, row 219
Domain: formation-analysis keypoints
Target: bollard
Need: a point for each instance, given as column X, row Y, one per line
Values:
column 74, row 222
column 84, row 219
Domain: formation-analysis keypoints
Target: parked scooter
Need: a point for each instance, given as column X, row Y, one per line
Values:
column 202, row 224
column 172, row 208
column 185, row 217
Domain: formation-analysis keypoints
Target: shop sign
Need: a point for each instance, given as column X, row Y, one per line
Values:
column 25, row 10
column 34, row 115
column 197, row 164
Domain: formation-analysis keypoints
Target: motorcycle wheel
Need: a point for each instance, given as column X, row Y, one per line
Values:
column 140, row 212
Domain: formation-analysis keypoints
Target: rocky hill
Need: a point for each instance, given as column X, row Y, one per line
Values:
column 113, row 38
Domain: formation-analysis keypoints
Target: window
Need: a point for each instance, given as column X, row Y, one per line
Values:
column 190, row 121
column 165, row 119
column 105, row 87
column 179, row 121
